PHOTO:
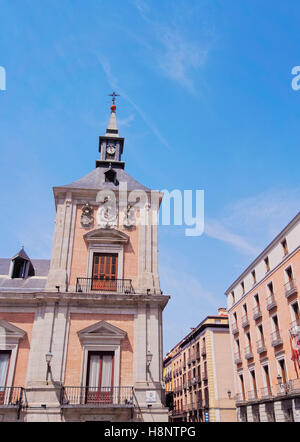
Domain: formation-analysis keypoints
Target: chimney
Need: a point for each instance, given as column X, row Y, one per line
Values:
column 222, row 311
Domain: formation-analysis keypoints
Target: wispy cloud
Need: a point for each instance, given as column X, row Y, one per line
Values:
column 176, row 55
column 113, row 82
column 250, row 223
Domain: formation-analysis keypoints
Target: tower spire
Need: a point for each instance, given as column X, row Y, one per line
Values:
column 112, row 124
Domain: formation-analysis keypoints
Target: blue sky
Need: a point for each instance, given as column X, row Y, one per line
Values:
column 206, row 103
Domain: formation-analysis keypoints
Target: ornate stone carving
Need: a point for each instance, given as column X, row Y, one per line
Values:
column 107, row 214
column 87, row 216
column 129, row 217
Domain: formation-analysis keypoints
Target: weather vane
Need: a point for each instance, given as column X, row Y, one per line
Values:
column 114, row 95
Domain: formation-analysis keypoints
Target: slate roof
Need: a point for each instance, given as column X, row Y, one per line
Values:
column 33, row 283
column 95, row 180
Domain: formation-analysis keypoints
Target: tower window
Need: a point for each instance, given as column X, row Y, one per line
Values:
column 110, row 176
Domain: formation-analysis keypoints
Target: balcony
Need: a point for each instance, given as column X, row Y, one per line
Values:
column 237, row 358
column 12, row 397
column 252, row 395
column 276, row 338
column 95, row 397
column 257, row 313
column 271, row 302
column 189, row 360
column 245, row 321
column 292, row 387
column 295, row 328
column 197, row 355
column 261, row 346
column 248, row 352
column 203, row 350
column 177, row 412
column 240, row 398
column 193, row 357
column 290, row 288
column 93, row 285
column 234, row 327
column 266, row 393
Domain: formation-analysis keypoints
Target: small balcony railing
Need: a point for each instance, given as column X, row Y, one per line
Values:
column 97, row 396
column 276, row 338
column 261, row 346
column 245, row 321
column 193, row 357
column 271, row 302
column 252, row 395
column 197, row 354
column 11, row 396
column 257, row 312
column 239, row 398
column 290, row 288
column 94, row 285
column 237, row 358
column 266, row 392
column 234, row 327
column 177, row 411
column 248, row 352
column 203, row 350
column 295, row 327
column 204, row 375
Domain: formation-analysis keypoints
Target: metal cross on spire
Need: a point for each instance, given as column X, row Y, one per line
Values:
column 114, row 95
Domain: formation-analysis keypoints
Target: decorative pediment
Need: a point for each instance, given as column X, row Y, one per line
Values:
column 106, row 236
column 9, row 332
column 101, row 330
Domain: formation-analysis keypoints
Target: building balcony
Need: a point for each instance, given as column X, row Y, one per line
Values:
column 94, row 285
column 240, row 398
column 237, row 358
column 295, row 328
column 95, row 397
column 197, row 355
column 248, row 353
column 266, row 393
column 177, row 412
column 291, row 387
column 252, row 395
column 12, row 397
column 261, row 346
column 203, row 350
column 271, row 302
column 234, row 327
column 276, row 338
column 189, row 360
column 193, row 357
column 245, row 321
column 290, row 288
column 257, row 313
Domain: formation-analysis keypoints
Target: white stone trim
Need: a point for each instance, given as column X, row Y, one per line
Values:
column 10, row 341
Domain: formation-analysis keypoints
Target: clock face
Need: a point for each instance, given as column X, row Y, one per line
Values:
column 110, row 149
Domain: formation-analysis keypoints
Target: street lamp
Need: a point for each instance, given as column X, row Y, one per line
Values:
column 48, row 357
column 149, row 357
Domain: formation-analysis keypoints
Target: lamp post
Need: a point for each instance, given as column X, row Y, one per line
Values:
column 48, row 357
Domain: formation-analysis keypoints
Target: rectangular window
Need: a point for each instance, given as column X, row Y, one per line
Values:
column 284, row 247
column 267, row 264
column 105, row 270
column 100, row 377
column 4, row 364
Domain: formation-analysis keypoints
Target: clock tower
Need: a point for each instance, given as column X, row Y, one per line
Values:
column 111, row 145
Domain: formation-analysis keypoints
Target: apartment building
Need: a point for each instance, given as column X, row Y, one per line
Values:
column 202, row 373
column 263, row 308
column 81, row 334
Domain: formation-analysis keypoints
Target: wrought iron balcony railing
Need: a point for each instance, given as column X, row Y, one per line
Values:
column 276, row 338
column 11, row 396
column 248, row 352
column 261, row 346
column 93, row 285
column 245, row 321
column 237, row 358
column 271, row 302
column 290, row 288
column 257, row 312
column 234, row 327
column 97, row 396
column 266, row 392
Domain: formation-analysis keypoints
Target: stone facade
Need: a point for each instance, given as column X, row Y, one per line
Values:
column 74, row 314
